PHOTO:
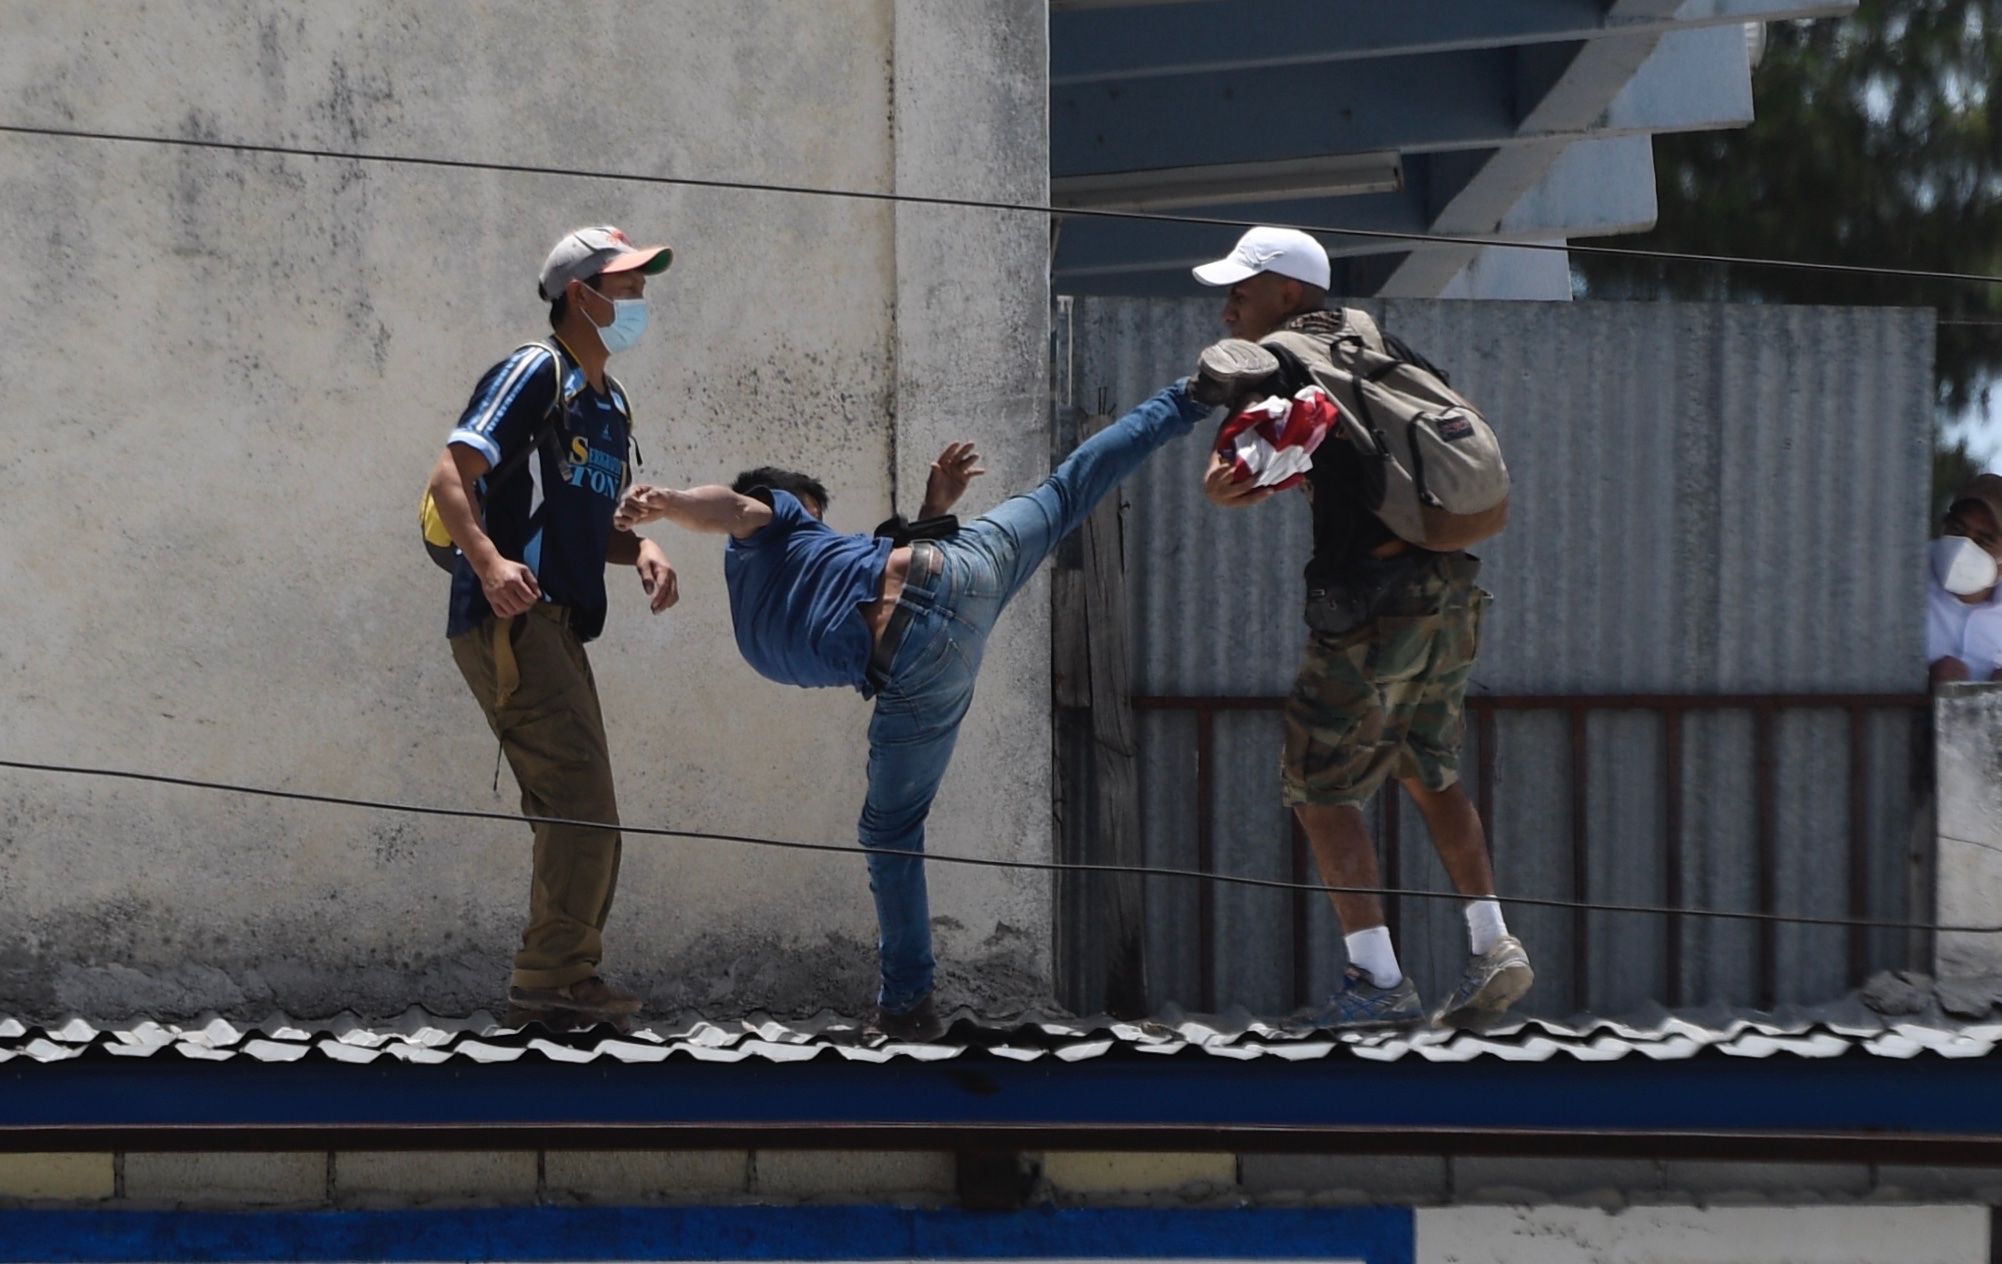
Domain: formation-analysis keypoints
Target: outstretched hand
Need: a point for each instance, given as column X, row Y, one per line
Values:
column 641, row 504
column 955, row 469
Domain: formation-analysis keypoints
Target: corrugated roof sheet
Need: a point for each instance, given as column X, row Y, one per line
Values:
column 1897, row 1016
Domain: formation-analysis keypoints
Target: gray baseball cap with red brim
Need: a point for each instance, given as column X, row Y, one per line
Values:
column 590, row 252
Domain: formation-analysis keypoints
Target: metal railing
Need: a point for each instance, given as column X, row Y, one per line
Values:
column 1672, row 710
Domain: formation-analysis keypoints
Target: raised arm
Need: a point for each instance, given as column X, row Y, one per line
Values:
column 714, row 509
column 955, row 468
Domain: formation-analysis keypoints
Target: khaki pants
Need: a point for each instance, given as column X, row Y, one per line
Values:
column 534, row 683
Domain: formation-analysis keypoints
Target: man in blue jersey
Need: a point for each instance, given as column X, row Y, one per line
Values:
column 527, row 486
column 905, row 623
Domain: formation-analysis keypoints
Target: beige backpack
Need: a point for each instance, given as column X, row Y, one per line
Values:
column 1437, row 478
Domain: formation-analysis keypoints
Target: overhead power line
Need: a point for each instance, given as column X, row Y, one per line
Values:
column 982, row 862
column 990, row 204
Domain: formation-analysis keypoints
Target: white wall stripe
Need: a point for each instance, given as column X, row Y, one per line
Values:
column 1704, row 1235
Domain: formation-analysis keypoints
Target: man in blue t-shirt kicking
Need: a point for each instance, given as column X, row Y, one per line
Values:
column 906, row 624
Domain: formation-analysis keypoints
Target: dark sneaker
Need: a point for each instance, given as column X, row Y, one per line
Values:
column 1361, row 1003
column 920, row 1023
column 1493, row 981
column 592, row 997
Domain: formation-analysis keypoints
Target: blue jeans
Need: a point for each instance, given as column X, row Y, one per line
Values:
column 930, row 682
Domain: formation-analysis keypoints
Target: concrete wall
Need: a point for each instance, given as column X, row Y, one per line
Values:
column 226, row 379
column 1494, row 1210
column 1076, row 1178
column 1688, row 1235
column 1967, row 754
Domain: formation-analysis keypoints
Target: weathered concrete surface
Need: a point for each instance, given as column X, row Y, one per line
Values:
column 419, row 1178
column 1075, row 1175
column 1515, row 1208
column 925, row 1177
column 972, row 338
column 1967, row 761
column 56, row 1178
column 1380, row 1179
column 1689, row 1235
column 226, row 381
column 224, row 1178
column 623, row 1177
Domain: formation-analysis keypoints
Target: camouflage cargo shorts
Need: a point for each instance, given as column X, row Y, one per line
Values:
column 1388, row 699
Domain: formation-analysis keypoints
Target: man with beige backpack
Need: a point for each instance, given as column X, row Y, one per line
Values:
column 1406, row 478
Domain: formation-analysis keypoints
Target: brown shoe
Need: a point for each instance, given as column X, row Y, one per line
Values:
column 592, row 996
column 566, row 1020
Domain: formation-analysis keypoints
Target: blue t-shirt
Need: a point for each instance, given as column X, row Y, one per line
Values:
column 797, row 587
column 554, row 512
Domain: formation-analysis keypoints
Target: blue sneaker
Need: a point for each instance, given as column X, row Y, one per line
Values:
column 1492, row 982
column 1361, row 1003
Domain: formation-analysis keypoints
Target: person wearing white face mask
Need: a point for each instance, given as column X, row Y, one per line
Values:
column 526, row 487
column 1963, row 607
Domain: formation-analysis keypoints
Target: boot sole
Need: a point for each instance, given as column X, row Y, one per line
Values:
column 623, row 1009
column 565, row 1019
column 925, row 1035
column 1509, row 985
column 1235, row 366
column 1379, row 1024
column 1236, row 359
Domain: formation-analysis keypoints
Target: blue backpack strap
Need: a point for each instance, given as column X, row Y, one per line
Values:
column 554, row 414
column 623, row 402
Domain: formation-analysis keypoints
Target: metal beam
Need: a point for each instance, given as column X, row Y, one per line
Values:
column 1582, row 189
column 1331, row 175
column 1712, row 65
column 1588, row 188
column 546, row 1232
column 1075, row 6
column 1693, row 80
column 1640, row 10
column 1568, row 88
column 1500, row 272
column 1105, row 41
column 1591, row 188
column 1635, row 1104
column 1486, row 272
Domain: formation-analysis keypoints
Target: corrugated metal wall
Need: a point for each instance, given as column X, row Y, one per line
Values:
column 1708, row 499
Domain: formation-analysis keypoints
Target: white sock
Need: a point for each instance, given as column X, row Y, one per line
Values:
column 1485, row 926
column 1370, row 952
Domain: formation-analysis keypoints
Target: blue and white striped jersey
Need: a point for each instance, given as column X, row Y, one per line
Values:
column 554, row 513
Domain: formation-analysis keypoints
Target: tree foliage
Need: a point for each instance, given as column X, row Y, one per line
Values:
column 1873, row 143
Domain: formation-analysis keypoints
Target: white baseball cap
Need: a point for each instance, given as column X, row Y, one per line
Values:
column 588, row 252
column 1286, row 251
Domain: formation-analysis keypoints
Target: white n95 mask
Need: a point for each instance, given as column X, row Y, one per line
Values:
column 1961, row 566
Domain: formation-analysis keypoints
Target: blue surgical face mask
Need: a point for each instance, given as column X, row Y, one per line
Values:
column 628, row 323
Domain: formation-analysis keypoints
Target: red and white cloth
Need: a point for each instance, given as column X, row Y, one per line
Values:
column 1271, row 443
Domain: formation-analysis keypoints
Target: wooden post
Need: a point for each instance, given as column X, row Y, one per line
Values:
column 1093, row 672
